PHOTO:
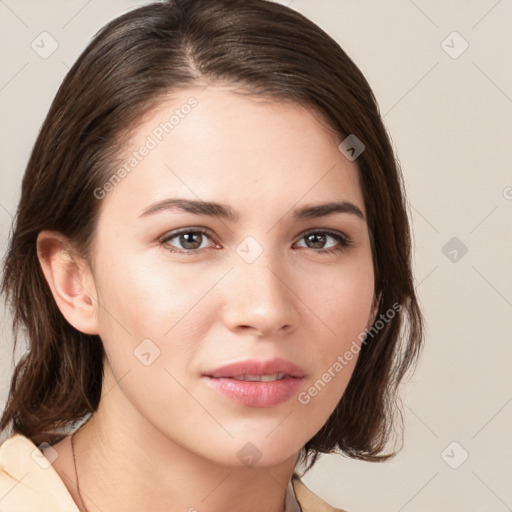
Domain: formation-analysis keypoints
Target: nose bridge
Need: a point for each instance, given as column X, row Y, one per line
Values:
column 260, row 294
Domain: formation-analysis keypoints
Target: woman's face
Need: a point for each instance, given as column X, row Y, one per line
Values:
column 228, row 289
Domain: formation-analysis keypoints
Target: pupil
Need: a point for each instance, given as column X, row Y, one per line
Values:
column 187, row 239
column 318, row 237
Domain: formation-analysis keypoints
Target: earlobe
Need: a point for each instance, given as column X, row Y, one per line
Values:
column 70, row 280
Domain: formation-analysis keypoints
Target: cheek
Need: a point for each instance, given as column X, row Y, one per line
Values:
column 346, row 311
column 345, row 302
column 143, row 299
column 141, row 292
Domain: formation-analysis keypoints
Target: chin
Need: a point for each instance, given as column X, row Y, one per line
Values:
column 259, row 451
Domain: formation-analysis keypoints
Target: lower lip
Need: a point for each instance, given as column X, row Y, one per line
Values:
column 257, row 394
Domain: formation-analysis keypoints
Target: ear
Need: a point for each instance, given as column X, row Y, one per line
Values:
column 70, row 280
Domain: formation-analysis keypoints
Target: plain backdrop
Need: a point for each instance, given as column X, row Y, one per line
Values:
column 442, row 74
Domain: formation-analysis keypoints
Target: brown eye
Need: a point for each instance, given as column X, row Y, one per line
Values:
column 317, row 240
column 188, row 240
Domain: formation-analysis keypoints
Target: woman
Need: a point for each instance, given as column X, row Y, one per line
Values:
column 211, row 260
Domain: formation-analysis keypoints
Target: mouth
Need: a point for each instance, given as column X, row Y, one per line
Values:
column 252, row 369
column 257, row 383
column 260, row 378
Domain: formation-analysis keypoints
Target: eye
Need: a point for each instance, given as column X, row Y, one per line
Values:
column 190, row 240
column 318, row 239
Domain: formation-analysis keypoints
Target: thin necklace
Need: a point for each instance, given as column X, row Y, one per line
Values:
column 76, row 472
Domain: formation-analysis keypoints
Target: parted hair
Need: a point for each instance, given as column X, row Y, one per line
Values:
column 127, row 69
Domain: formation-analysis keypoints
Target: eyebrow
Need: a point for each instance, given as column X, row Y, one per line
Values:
column 224, row 211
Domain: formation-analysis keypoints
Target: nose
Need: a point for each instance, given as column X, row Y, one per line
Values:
column 260, row 298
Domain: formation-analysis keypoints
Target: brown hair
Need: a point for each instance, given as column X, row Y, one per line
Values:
column 130, row 65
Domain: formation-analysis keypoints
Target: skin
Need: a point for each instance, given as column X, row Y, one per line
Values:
column 161, row 435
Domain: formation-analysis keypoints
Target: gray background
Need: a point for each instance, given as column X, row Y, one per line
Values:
column 448, row 110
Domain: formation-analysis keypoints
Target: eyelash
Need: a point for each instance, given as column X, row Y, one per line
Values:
column 344, row 241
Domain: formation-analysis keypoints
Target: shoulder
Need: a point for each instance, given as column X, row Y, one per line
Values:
column 308, row 500
column 28, row 481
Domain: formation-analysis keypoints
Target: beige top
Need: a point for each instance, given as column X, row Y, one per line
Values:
column 29, row 483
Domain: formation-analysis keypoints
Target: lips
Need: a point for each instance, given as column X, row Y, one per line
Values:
column 256, row 368
column 257, row 383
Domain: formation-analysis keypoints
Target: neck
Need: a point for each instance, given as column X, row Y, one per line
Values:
column 132, row 466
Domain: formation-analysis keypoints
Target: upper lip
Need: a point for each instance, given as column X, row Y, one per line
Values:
column 256, row 367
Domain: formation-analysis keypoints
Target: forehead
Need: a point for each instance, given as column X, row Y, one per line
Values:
column 219, row 145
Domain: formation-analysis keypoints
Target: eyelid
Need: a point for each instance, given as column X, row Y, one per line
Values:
column 192, row 229
column 328, row 231
column 344, row 241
